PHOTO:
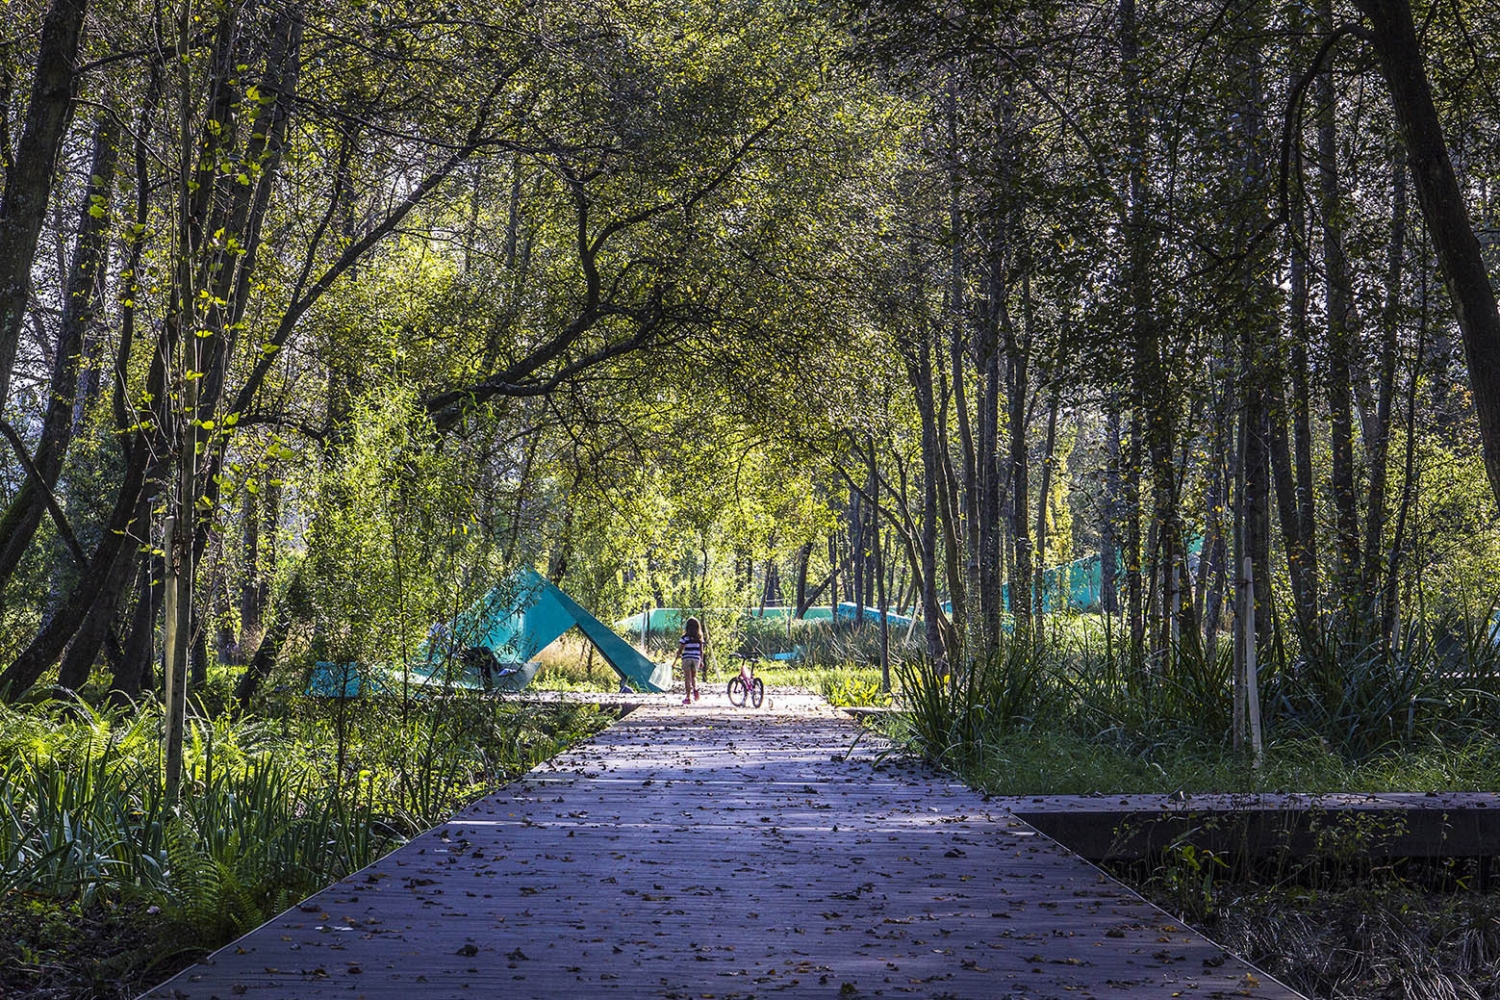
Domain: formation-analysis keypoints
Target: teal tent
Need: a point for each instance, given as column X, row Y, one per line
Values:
column 490, row 646
column 669, row 620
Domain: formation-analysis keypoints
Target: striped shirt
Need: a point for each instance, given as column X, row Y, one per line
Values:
column 690, row 649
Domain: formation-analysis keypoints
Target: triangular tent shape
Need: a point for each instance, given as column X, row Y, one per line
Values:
column 520, row 617
column 494, row 641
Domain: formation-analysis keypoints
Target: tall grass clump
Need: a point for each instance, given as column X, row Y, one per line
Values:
column 952, row 719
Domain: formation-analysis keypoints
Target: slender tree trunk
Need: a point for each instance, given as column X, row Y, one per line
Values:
column 1017, row 352
column 1388, row 609
column 1294, row 495
column 1109, row 545
column 1458, row 251
column 949, row 522
column 1301, row 530
column 135, row 674
column 931, row 471
column 1213, row 600
column 291, row 609
column 885, row 625
column 971, row 460
column 804, row 556
column 252, row 582
column 1134, row 589
column 29, row 180
column 1043, row 496
column 1291, row 460
column 48, row 644
column 81, row 307
column 1148, row 389
column 1342, row 337
column 1259, row 331
column 1215, row 503
column 1380, row 439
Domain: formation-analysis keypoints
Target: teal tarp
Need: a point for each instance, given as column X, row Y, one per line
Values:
column 522, row 616
column 516, row 620
column 341, row 680
column 869, row 614
column 670, row 620
column 492, row 645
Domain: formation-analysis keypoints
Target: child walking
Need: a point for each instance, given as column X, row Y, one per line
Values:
column 690, row 652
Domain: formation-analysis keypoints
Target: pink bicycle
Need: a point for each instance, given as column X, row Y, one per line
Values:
column 745, row 686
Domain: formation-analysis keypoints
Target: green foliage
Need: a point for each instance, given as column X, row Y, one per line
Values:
column 1063, row 716
column 1188, row 690
column 394, row 545
column 1188, row 876
column 853, row 688
column 266, row 819
column 953, row 718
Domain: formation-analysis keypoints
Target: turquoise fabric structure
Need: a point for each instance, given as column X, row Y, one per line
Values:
column 669, row 620
column 522, row 616
column 872, row 615
column 341, row 680
column 629, row 663
column 516, row 620
column 491, row 645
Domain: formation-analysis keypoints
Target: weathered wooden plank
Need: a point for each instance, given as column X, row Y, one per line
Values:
column 698, row 852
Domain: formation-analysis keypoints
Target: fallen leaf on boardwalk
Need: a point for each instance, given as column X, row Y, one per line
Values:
column 468, row 951
column 518, row 956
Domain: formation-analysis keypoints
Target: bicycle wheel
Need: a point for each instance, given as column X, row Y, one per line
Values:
column 737, row 691
column 757, row 692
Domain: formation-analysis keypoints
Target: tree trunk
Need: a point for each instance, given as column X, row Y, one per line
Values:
column 95, row 583
column 1342, row 337
column 884, row 608
column 1017, row 353
column 258, row 565
column 921, row 377
column 1380, row 439
column 1442, row 202
column 804, row 556
column 80, row 310
column 292, row 608
column 30, row 179
column 1043, row 496
column 135, row 673
column 1109, row 546
column 1134, row 595
column 1146, row 377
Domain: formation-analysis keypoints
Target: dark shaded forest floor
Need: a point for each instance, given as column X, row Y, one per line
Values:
column 1374, row 940
column 49, row 952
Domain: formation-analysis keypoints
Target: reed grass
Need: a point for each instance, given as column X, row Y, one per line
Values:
column 269, row 812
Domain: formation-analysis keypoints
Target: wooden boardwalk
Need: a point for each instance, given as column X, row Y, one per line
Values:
column 706, row 852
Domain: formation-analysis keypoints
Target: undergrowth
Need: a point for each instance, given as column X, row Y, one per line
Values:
column 108, row 888
column 1383, row 935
